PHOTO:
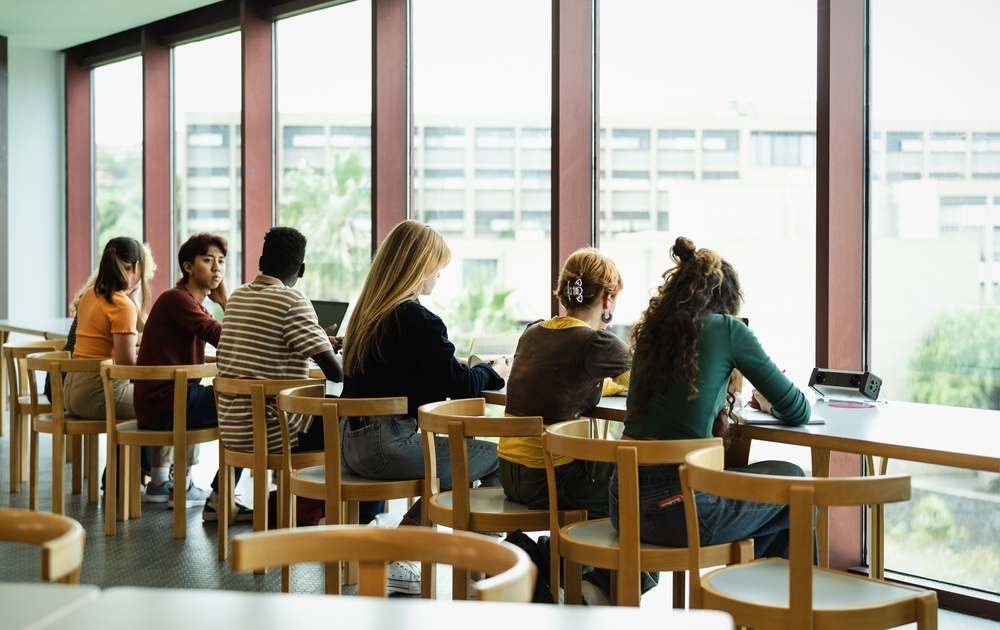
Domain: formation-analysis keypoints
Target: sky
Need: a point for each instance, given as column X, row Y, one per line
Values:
column 488, row 58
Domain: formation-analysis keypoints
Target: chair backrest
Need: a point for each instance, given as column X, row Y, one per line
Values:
column 460, row 419
column 179, row 374
column 55, row 363
column 15, row 353
column 310, row 400
column 61, row 540
column 703, row 471
column 511, row 570
column 258, row 390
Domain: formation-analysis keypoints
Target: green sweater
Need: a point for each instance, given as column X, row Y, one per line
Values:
column 725, row 343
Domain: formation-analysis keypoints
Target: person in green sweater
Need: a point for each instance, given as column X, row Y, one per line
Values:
column 561, row 368
column 687, row 344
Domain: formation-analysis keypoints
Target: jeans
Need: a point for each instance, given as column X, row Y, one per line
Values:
column 721, row 520
column 201, row 414
column 390, row 448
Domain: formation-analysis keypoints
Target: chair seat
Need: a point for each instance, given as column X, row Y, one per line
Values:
column 129, row 434
column 311, row 483
column 241, row 459
column 488, row 508
column 602, row 533
column 765, row 582
column 42, row 423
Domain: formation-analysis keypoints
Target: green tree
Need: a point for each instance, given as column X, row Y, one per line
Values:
column 958, row 362
column 333, row 210
column 118, row 194
column 480, row 309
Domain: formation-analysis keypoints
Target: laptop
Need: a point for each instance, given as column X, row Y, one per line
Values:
column 486, row 349
column 330, row 313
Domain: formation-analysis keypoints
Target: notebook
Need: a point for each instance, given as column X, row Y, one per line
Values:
column 753, row 416
column 330, row 313
column 486, row 349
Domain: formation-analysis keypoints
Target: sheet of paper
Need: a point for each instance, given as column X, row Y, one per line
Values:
column 753, row 416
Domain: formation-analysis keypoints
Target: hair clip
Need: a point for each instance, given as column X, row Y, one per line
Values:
column 575, row 290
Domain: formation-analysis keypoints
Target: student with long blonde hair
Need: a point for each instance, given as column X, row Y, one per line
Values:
column 395, row 346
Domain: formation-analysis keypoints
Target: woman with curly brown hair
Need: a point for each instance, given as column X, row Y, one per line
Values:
column 687, row 344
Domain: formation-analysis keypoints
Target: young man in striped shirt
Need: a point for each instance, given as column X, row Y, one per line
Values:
column 270, row 332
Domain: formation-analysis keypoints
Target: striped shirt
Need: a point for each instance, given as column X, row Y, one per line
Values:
column 269, row 332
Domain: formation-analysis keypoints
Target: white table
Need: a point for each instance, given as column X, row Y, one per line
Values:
column 24, row 606
column 170, row 609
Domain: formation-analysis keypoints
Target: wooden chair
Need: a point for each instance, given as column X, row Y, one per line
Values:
column 513, row 573
column 775, row 593
column 60, row 538
column 596, row 542
column 126, row 438
column 259, row 461
column 21, row 405
column 62, row 425
column 333, row 482
column 480, row 509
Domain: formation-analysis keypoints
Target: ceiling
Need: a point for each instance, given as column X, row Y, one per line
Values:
column 59, row 24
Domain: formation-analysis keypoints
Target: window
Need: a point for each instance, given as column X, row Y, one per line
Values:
column 782, row 148
column 986, row 155
column 324, row 157
column 118, row 151
column 935, row 320
column 207, row 103
column 483, row 156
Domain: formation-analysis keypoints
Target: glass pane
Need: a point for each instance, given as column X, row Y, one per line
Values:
column 324, row 144
column 935, row 199
column 207, row 105
column 118, row 150
column 481, row 159
column 710, row 133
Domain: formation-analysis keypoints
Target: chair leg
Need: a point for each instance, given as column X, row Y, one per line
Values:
column 679, row 584
column 93, row 477
column 15, row 451
column 77, row 467
column 460, row 584
column 58, row 473
column 572, row 579
column 180, row 500
column 25, row 426
column 260, row 486
column 123, row 480
column 33, row 475
column 225, row 488
column 111, row 489
column 352, row 518
column 927, row 612
column 134, row 476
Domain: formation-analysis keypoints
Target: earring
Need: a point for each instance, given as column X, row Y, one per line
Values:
column 607, row 316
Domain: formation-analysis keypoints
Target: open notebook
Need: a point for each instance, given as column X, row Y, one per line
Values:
column 486, row 349
column 753, row 416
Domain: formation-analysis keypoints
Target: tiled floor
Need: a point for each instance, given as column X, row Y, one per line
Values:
column 144, row 552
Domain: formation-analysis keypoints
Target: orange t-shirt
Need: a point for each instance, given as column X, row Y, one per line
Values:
column 98, row 321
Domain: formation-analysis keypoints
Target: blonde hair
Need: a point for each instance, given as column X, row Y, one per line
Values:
column 597, row 274
column 410, row 253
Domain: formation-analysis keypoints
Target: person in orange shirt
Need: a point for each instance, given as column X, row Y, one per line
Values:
column 108, row 326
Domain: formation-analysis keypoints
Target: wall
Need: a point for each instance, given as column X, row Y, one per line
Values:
column 35, row 260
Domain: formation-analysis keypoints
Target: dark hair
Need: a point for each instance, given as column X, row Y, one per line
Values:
column 112, row 273
column 666, row 336
column 283, row 252
column 196, row 246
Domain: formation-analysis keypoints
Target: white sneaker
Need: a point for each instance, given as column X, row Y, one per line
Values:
column 593, row 595
column 404, row 577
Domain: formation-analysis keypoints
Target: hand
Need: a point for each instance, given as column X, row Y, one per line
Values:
column 501, row 366
column 462, row 361
column 762, row 403
column 336, row 342
column 331, row 328
column 219, row 295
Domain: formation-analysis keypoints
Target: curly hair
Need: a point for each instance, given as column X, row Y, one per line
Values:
column 666, row 336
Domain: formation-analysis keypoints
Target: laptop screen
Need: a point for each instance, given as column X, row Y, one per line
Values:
column 330, row 313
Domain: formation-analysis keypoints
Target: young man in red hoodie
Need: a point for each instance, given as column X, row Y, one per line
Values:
column 176, row 332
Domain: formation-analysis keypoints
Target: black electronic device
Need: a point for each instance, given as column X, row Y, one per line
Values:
column 845, row 384
column 330, row 313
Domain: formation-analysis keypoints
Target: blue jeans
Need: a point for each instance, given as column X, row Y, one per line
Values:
column 390, row 448
column 201, row 414
column 722, row 520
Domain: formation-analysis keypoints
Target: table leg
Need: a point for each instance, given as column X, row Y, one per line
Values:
column 821, row 468
column 876, row 534
column 3, row 387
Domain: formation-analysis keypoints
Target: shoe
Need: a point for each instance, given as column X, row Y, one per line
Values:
column 158, row 493
column 404, row 577
column 593, row 595
column 195, row 496
column 211, row 512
